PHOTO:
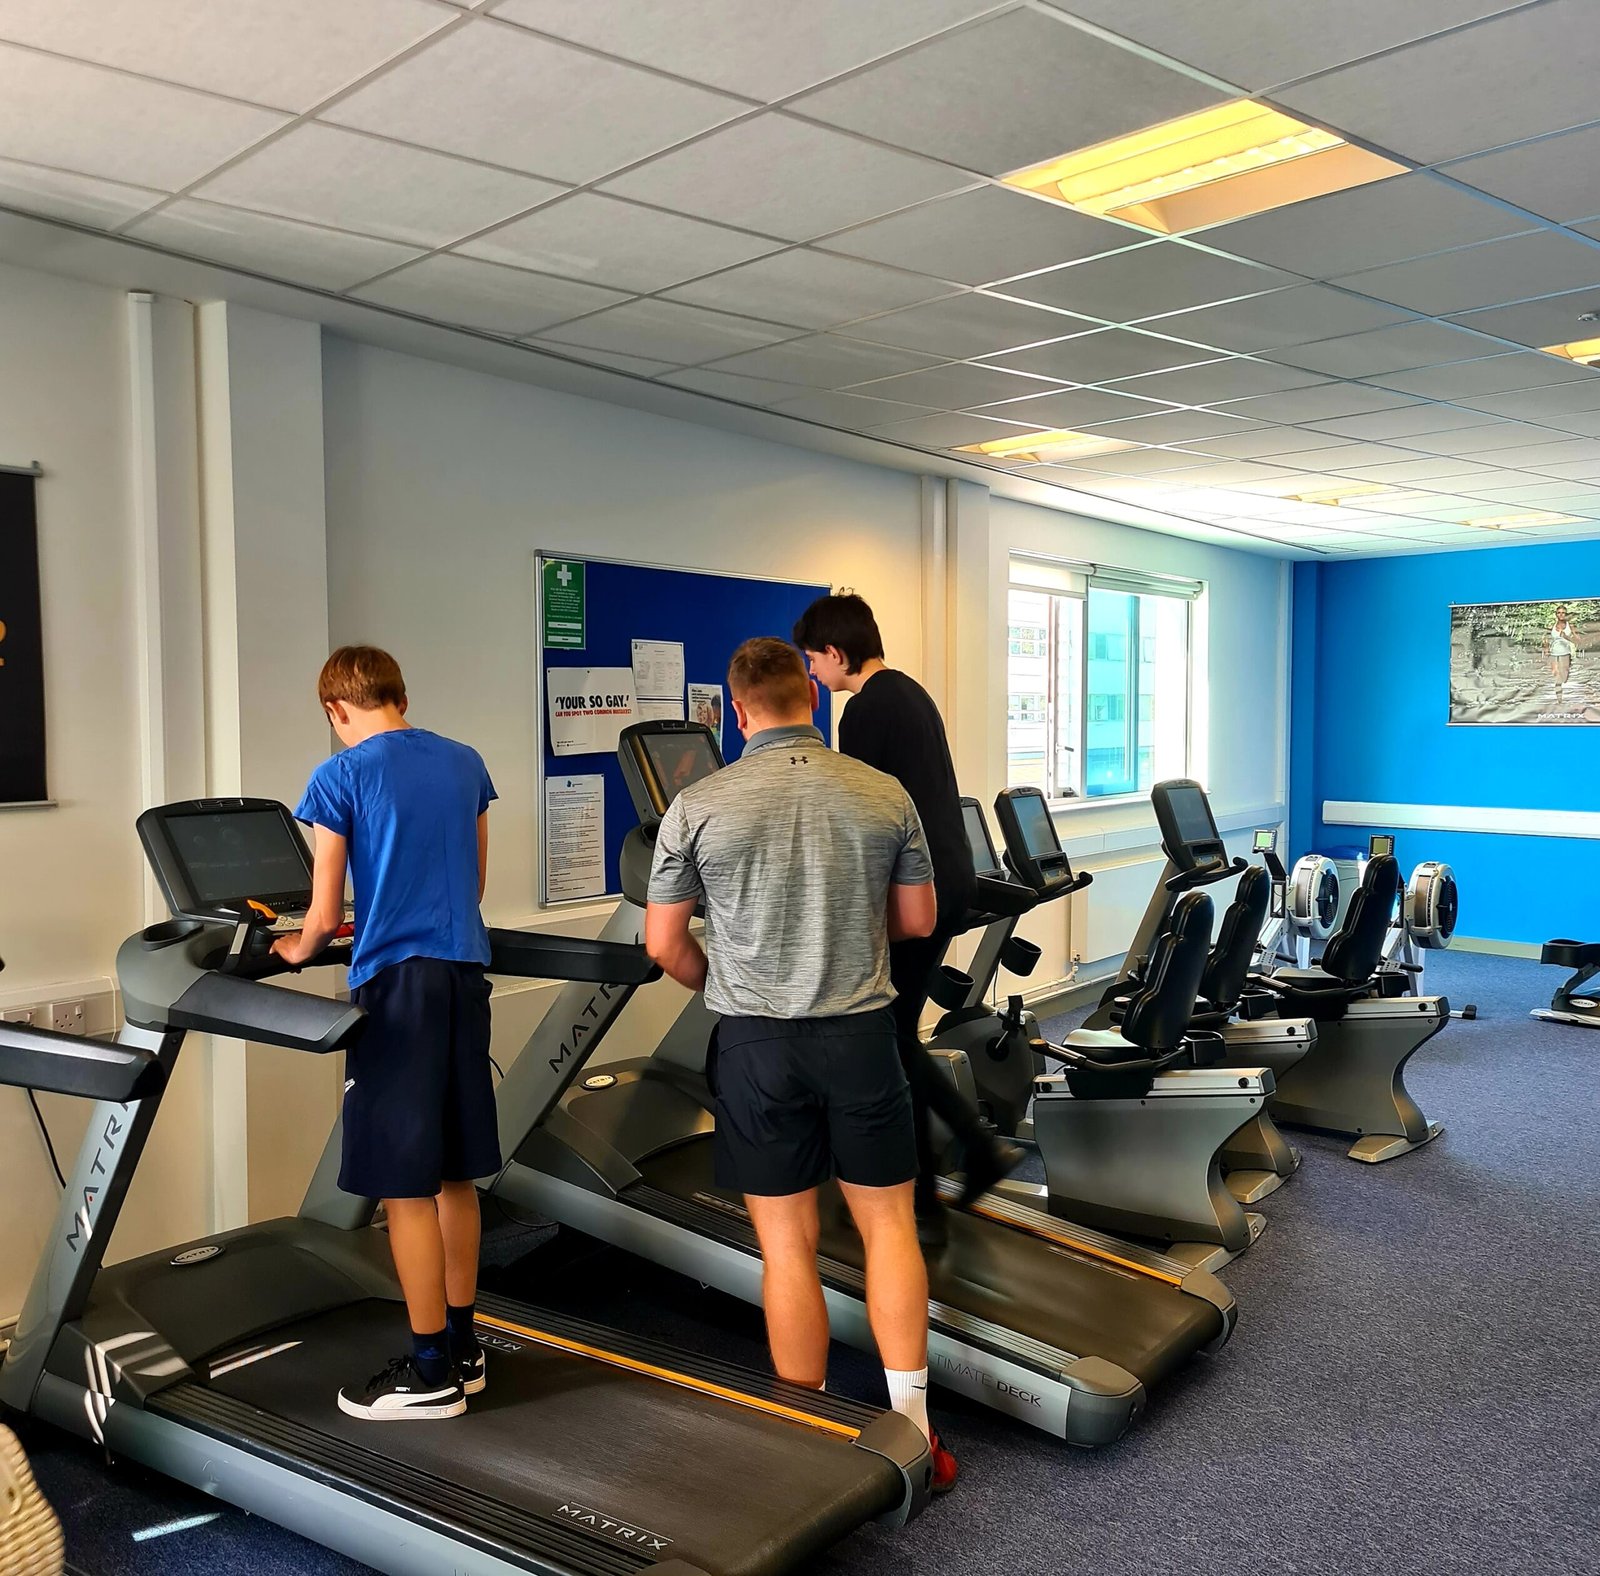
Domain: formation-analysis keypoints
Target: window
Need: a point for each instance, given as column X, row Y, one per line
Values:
column 1098, row 680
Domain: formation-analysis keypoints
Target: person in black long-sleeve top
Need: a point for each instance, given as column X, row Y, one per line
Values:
column 892, row 723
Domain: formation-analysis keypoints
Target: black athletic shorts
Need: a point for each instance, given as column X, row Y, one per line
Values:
column 418, row 1098
column 801, row 1099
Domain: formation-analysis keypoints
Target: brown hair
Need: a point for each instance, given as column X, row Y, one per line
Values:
column 363, row 676
column 770, row 674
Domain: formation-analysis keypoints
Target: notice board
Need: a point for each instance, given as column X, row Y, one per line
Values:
column 589, row 612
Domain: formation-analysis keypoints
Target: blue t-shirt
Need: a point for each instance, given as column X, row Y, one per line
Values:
column 408, row 804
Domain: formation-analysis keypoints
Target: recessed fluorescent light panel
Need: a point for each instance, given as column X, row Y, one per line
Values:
column 1334, row 496
column 1496, row 522
column 1044, row 448
column 1223, row 163
column 1586, row 352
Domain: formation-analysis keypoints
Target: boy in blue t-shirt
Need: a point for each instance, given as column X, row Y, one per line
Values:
column 406, row 813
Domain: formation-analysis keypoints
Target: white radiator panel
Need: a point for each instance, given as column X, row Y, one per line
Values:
column 1114, row 906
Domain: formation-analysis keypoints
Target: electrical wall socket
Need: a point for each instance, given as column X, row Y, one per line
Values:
column 17, row 1015
column 66, row 1017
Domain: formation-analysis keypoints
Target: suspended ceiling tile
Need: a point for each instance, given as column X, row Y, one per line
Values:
column 1326, row 401
column 642, row 366
column 740, row 47
column 284, row 248
column 487, row 296
column 982, row 235
column 609, row 242
column 1382, row 222
column 946, row 431
column 1285, row 317
column 828, row 180
column 1106, row 355
column 968, row 326
column 1419, row 469
column 1590, row 227
column 1586, row 423
column 1061, row 89
column 1477, row 441
column 496, row 93
column 1175, row 426
column 1341, row 459
column 1164, row 276
column 1577, row 471
column 1138, row 462
column 1258, row 43
column 1491, row 375
column 1406, row 421
column 1559, row 399
column 1542, row 263
column 1558, row 177
column 826, row 361
column 1259, row 443
column 83, row 199
column 810, row 289
column 956, row 386
column 1236, row 473
column 1511, row 77
column 1547, row 494
column 1539, row 456
column 1405, row 345
column 729, row 385
column 1555, row 320
column 1237, row 377
column 852, row 412
column 1073, row 408
column 104, row 123
column 288, row 54
column 349, row 181
column 669, row 331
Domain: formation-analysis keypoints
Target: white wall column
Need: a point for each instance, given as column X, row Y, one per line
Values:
column 266, row 587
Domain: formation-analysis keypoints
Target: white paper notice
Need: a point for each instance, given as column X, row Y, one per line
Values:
column 705, row 706
column 589, row 708
column 574, row 837
column 660, row 710
column 658, row 669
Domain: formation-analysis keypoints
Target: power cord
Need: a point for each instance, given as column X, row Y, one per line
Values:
column 44, row 1133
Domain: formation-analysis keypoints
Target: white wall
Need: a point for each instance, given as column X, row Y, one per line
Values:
column 71, row 877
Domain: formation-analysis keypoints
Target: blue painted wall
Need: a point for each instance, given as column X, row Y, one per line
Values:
column 1370, row 696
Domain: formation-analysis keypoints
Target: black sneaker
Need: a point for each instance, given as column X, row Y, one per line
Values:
column 933, row 1232
column 987, row 1164
column 472, row 1372
column 400, row 1392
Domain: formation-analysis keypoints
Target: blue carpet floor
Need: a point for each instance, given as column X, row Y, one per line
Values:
column 1414, row 1384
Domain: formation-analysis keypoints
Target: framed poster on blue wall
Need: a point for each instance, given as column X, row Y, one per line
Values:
column 1525, row 664
column 22, row 762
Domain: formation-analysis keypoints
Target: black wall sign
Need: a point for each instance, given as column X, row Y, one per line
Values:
column 22, row 776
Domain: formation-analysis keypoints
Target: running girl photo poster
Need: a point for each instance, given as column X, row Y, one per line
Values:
column 1526, row 663
column 22, row 778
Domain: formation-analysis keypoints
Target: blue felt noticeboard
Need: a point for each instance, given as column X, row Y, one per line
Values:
column 710, row 614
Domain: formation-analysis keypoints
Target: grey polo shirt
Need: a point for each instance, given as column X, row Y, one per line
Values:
column 793, row 849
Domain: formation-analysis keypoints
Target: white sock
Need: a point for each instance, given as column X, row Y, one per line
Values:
column 908, row 1395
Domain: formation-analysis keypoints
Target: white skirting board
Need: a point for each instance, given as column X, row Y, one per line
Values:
column 1462, row 818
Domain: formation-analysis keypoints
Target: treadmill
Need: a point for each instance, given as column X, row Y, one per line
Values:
column 1047, row 1321
column 218, row 1361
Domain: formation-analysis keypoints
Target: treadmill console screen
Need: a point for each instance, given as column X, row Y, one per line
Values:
column 984, row 859
column 212, row 856
column 679, row 759
column 1379, row 844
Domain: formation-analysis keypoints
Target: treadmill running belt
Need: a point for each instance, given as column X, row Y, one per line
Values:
column 621, row 1458
column 989, row 1271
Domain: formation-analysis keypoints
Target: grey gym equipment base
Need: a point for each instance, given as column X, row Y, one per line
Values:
column 1354, row 1082
column 1576, row 1000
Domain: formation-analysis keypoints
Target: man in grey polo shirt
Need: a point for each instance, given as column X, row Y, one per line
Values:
column 808, row 864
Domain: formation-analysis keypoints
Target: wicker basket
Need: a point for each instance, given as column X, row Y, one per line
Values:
column 30, row 1535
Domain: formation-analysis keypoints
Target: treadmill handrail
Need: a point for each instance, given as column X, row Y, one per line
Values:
column 53, row 1063
column 534, row 954
column 268, row 1014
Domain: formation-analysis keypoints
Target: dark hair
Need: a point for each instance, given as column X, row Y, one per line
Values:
column 362, row 676
column 772, row 673
column 844, row 621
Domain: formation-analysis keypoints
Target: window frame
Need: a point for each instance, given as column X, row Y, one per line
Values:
column 1060, row 582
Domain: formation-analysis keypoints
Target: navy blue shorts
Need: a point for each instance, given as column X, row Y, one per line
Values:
column 418, row 1098
column 799, row 1100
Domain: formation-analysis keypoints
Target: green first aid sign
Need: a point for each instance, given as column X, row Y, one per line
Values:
column 564, row 603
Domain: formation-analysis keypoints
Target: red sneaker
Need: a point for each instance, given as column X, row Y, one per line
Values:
column 946, row 1469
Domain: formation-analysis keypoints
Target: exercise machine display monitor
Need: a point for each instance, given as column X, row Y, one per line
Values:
column 985, row 861
column 225, row 859
column 1032, row 845
column 661, row 758
column 1188, row 829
